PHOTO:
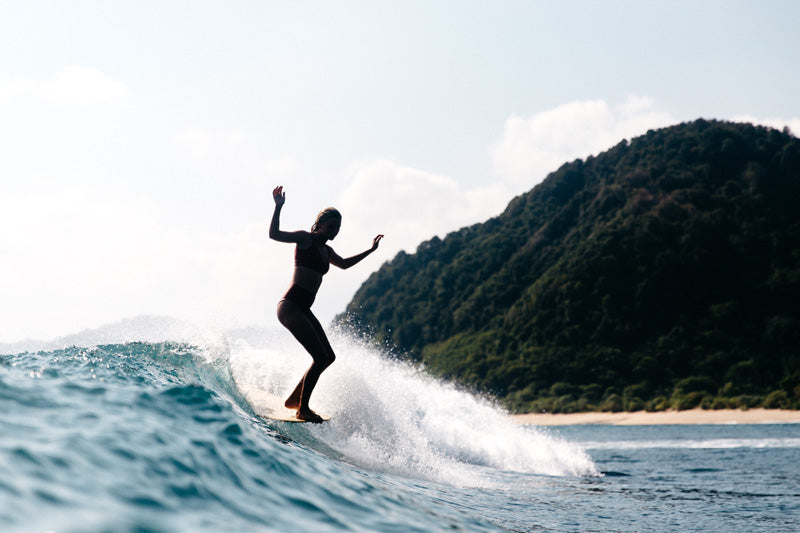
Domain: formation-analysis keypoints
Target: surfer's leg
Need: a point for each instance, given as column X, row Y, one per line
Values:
column 317, row 367
column 308, row 331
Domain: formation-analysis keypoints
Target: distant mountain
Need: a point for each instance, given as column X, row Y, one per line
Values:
column 143, row 328
column 664, row 272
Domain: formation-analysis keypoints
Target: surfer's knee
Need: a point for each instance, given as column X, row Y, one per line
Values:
column 327, row 360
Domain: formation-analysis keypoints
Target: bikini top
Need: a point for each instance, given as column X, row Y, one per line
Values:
column 316, row 257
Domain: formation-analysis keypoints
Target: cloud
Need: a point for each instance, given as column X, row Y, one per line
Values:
column 534, row 146
column 201, row 142
column 778, row 123
column 73, row 86
column 76, row 257
column 410, row 205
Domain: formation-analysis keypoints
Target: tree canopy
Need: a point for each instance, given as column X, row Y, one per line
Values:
column 664, row 272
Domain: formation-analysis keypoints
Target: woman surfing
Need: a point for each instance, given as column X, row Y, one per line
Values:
column 312, row 259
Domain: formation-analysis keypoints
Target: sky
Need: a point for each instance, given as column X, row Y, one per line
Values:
column 140, row 140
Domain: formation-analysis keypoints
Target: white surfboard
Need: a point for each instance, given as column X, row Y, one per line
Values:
column 291, row 416
column 268, row 405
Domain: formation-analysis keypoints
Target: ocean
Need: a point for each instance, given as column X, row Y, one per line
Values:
column 147, row 427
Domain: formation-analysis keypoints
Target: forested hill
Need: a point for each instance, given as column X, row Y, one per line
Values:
column 664, row 272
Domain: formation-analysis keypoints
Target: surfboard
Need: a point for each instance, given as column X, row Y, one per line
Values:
column 290, row 416
column 267, row 405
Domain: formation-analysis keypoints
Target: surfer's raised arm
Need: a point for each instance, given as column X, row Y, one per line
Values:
column 350, row 261
column 275, row 232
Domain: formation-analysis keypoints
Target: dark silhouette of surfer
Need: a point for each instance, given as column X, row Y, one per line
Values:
column 312, row 258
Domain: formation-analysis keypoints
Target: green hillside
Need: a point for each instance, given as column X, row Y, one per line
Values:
column 665, row 272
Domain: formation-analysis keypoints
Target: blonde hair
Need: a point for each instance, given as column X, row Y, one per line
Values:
column 326, row 214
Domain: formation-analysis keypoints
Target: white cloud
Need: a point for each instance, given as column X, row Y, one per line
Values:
column 202, row 142
column 78, row 257
column 13, row 88
column 410, row 205
column 534, row 146
column 73, row 86
column 778, row 123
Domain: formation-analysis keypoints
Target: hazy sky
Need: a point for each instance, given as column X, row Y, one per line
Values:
column 140, row 141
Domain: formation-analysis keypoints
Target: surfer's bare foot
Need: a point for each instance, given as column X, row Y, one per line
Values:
column 309, row 416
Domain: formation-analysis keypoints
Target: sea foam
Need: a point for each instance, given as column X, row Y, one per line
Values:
column 390, row 416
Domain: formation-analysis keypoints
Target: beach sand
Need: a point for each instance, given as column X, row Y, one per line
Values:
column 644, row 418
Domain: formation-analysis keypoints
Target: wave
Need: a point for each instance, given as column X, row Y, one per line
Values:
column 146, row 437
column 386, row 415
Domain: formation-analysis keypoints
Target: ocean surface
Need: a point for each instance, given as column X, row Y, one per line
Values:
column 150, row 426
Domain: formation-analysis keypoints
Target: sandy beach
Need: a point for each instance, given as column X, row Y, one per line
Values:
column 644, row 418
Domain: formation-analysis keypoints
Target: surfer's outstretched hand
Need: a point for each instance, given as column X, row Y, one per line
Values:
column 375, row 242
column 278, row 195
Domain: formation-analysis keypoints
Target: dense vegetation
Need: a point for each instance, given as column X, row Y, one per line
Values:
column 664, row 272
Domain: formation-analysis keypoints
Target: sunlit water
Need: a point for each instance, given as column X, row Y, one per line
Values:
column 107, row 434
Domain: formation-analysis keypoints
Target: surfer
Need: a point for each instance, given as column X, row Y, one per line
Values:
column 312, row 259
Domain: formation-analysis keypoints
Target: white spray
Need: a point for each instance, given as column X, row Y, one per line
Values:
column 389, row 416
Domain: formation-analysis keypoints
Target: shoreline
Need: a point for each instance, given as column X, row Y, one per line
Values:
column 670, row 417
